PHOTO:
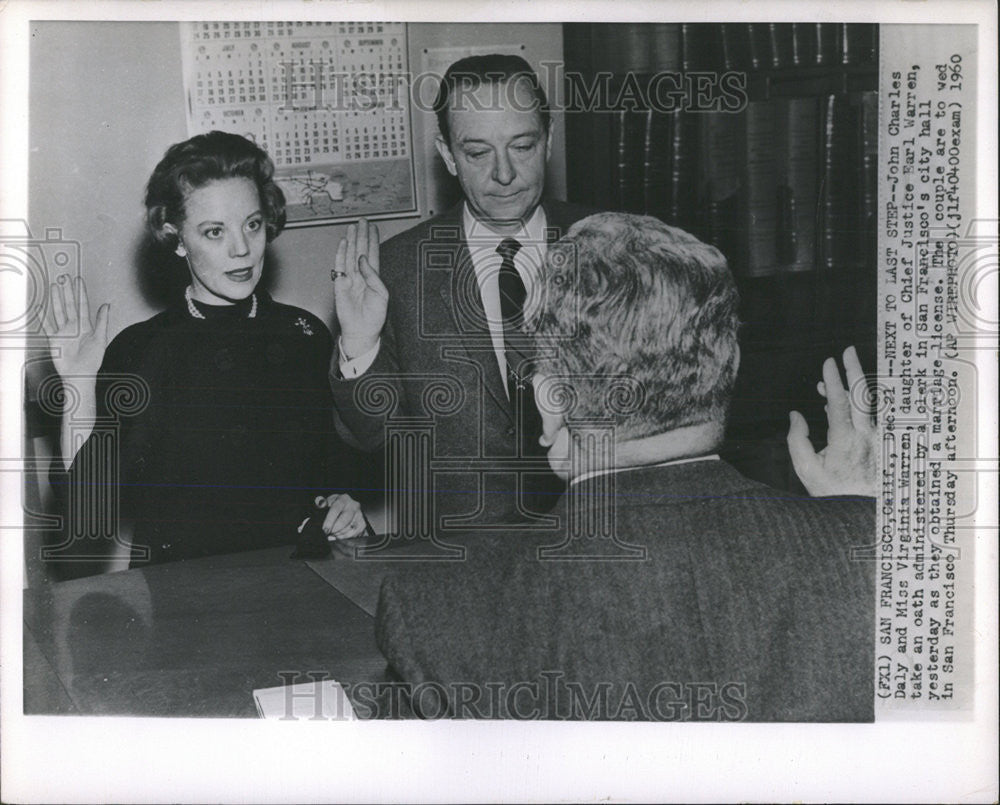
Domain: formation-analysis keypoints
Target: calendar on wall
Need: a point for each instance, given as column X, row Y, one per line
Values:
column 328, row 101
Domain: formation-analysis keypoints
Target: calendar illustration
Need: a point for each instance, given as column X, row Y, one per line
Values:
column 328, row 101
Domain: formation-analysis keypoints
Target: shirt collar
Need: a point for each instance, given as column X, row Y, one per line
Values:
column 595, row 473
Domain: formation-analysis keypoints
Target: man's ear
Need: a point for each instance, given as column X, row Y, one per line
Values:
column 548, row 141
column 445, row 151
column 548, row 400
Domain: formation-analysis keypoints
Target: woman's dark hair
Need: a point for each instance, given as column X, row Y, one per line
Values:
column 203, row 159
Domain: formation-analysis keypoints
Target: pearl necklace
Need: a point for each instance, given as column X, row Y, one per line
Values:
column 197, row 314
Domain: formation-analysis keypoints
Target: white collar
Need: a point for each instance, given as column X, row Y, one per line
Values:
column 595, row 473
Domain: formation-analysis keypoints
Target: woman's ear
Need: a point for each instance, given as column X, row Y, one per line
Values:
column 170, row 229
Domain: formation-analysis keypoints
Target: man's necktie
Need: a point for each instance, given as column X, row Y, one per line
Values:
column 518, row 351
column 512, row 298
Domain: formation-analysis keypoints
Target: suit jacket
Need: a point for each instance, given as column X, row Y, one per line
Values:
column 437, row 369
column 749, row 604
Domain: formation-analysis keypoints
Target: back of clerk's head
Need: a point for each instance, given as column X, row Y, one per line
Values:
column 640, row 319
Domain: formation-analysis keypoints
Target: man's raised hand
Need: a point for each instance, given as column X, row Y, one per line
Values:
column 359, row 295
column 846, row 466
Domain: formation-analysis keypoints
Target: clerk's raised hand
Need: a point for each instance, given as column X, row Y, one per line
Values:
column 360, row 297
column 847, row 465
column 77, row 343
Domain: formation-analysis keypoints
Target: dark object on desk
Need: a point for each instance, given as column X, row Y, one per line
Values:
column 312, row 541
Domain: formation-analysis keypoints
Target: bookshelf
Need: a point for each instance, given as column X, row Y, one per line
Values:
column 761, row 139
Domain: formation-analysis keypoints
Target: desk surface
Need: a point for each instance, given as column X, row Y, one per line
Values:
column 191, row 638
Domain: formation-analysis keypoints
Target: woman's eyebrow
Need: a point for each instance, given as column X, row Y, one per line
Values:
column 222, row 223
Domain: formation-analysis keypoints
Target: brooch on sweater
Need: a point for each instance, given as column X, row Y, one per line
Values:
column 303, row 325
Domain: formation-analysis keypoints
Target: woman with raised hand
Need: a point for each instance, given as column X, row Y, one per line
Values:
column 210, row 422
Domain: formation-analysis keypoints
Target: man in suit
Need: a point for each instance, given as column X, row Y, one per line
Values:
column 675, row 588
column 430, row 324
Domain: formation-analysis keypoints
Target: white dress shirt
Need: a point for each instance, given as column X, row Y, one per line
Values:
column 482, row 243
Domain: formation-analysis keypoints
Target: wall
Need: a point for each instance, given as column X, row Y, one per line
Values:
column 107, row 100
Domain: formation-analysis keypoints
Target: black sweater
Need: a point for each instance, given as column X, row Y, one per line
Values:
column 236, row 438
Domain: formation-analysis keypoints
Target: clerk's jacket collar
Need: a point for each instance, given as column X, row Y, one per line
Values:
column 615, row 470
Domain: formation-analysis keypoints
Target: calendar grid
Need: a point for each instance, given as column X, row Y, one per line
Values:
column 328, row 101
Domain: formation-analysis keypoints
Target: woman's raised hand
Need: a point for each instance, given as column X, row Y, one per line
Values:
column 76, row 343
column 359, row 295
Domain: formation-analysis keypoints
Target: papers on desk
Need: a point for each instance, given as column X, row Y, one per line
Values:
column 317, row 701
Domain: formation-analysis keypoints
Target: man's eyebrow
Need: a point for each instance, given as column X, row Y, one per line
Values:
column 480, row 141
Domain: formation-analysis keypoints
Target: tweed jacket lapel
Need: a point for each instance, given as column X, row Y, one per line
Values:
column 453, row 295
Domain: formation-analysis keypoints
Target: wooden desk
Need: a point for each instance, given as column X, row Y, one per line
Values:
column 192, row 638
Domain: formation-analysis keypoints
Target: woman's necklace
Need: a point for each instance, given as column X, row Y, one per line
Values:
column 195, row 313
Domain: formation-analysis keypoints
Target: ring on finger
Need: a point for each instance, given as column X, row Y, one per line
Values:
column 336, row 275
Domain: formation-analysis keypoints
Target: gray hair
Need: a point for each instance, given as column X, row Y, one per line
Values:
column 629, row 299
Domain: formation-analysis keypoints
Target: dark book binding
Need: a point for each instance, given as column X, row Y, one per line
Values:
column 759, row 218
column 721, row 133
column 684, row 169
column 797, row 144
column 628, row 135
column 839, row 181
column 657, row 163
column 868, row 179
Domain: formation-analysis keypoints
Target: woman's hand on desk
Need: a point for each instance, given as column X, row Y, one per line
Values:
column 76, row 343
column 343, row 519
column 846, row 466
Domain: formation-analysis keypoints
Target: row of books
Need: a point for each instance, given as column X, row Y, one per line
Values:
column 787, row 184
column 655, row 47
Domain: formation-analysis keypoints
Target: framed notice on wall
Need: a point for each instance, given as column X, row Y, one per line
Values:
column 329, row 101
